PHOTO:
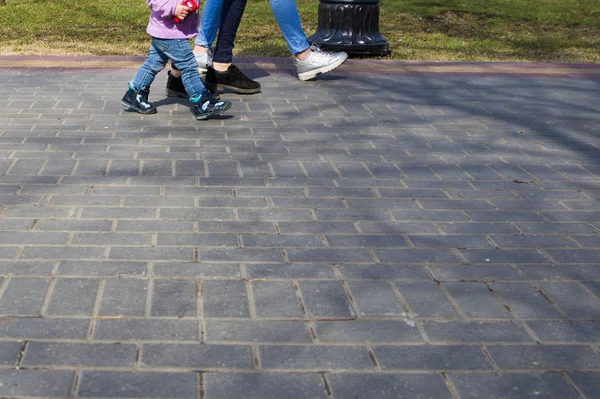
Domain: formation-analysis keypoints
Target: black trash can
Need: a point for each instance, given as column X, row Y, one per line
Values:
column 351, row 26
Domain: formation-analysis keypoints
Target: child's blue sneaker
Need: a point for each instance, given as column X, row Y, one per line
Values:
column 137, row 100
column 208, row 106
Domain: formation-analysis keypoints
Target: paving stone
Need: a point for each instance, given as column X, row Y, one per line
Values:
column 329, row 255
column 73, row 225
column 362, row 241
column 375, row 299
column 560, row 272
column 425, row 299
column 200, row 240
column 474, row 228
column 566, row 331
column 449, row 241
column 262, row 385
column 544, row 357
column 146, row 329
column 525, row 301
column 124, row 297
column 276, row 299
column 484, row 273
column 385, row 272
column 42, row 328
column 174, row 298
column 195, row 214
column 42, row 383
column 431, row 357
column 113, row 384
column 197, row 356
column 483, row 256
column 9, row 353
column 155, row 225
column 588, row 383
column 360, row 331
column 415, row 255
column 594, row 287
column 257, row 331
column 555, row 228
column 513, row 386
column 290, row 271
column 225, row 298
column 196, row 270
column 326, row 300
column 575, row 301
column 272, row 255
column 39, row 354
column 317, row 228
column 62, row 253
column 101, row 269
column 388, row 386
column 73, row 297
column 142, row 253
column 279, row 241
column 476, row 300
column 24, row 296
column 475, row 331
column 23, row 238
column 315, row 357
column 111, row 239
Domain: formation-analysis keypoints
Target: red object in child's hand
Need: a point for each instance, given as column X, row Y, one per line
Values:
column 191, row 4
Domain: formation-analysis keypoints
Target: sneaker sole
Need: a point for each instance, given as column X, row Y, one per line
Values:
column 327, row 68
column 203, row 117
column 129, row 107
column 217, row 86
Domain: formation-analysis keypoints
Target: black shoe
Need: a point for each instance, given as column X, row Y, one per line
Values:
column 209, row 106
column 175, row 87
column 232, row 79
column 137, row 100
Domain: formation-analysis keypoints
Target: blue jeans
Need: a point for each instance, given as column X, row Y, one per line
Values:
column 230, row 14
column 209, row 22
column 179, row 51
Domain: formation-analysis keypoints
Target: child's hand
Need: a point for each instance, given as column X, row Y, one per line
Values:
column 181, row 11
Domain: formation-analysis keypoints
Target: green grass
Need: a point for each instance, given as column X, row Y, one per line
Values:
column 449, row 30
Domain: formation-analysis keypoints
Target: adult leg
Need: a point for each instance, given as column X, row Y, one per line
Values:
column 207, row 32
column 209, row 23
column 223, row 74
column 310, row 60
column 231, row 17
column 286, row 15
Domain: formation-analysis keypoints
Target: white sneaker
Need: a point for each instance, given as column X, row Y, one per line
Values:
column 204, row 60
column 318, row 62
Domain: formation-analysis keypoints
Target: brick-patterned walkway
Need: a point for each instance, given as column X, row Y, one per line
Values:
column 391, row 230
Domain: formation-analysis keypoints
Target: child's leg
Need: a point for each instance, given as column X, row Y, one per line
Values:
column 156, row 61
column 203, row 103
column 136, row 98
column 182, row 58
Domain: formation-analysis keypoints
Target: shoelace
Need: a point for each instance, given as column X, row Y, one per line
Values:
column 315, row 47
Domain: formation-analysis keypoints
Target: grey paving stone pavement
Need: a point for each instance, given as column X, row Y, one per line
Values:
column 374, row 233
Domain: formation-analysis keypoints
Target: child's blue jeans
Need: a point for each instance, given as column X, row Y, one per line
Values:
column 179, row 51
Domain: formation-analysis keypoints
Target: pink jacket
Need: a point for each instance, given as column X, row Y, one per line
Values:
column 162, row 26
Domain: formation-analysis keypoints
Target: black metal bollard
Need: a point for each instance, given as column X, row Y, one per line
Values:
column 351, row 26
